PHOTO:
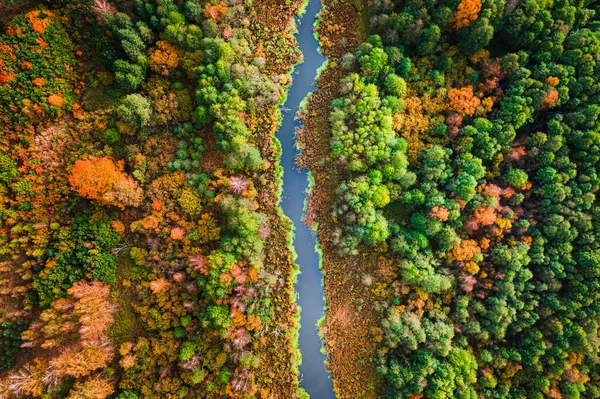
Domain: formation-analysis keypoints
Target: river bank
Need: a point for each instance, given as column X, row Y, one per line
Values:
column 314, row 378
column 280, row 358
column 351, row 326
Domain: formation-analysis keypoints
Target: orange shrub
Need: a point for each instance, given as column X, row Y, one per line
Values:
column 98, row 387
column 150, row 222
column 552, row 81
column 485, row 216
column 41, row 42
column 471, row 267
column 38, row 23
column 440, row 213
column 177, row 233
column 550, row 99
column 75, row 362
column 118, row 226
column 6, row 77
column 159, row 285
column 56, row 99
column 92, row 178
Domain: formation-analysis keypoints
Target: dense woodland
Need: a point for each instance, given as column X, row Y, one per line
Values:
column 142, row 250
column 132, row 216
column 467, row 134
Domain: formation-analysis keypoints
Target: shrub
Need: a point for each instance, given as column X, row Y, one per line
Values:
column 10, row 341
column 103, row 180
column 188, row 349
column 395, row 85
column 104, row 267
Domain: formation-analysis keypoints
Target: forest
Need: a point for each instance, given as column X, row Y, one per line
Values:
column 465, row 138
column 453, row 157
column 142, row 251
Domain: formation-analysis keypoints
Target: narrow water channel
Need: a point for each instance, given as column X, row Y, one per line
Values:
column 314, row 378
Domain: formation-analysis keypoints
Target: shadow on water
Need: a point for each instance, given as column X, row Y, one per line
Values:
column 314, row 378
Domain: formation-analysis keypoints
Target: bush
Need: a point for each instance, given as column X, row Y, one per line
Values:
column 128, row 395
column 395, row 85
column 36, row 81
column 188, row 349
column 71, row 256
column 241, row 232
column 104, row 267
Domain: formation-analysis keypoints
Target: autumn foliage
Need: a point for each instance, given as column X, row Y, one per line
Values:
column 439, row 212
column 463, row 101
column 56, row 99
column 103, row 180
column 35, row 53
column 466, row 12
column 96, row 387
column 78, row 325
column 552, row 81
column 188, row 330
column 39, row 20
column 164, row 58
column 465, row 250
column 550, row 99
column 101, row 7
column 215, row 11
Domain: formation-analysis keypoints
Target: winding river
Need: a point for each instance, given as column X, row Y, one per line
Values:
column 313, row 376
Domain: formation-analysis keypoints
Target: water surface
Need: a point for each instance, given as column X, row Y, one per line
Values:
column 313, row 376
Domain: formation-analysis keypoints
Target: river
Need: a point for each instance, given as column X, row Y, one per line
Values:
column 313, row 376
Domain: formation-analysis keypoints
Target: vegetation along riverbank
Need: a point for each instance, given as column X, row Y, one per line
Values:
column 454, row 152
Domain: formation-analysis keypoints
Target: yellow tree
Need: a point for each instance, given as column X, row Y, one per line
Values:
column 98, row 387
column 164, row 58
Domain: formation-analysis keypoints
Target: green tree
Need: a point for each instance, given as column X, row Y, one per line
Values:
column 395, row 85
column 136, row 110
column 516, row 177
column 8, row 169
column 129, row 76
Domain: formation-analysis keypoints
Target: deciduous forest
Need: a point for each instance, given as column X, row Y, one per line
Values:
column 461, row 215
column 142, row 251
column 453, row 152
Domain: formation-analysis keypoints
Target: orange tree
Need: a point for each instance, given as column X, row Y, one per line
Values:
column 103, row 180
